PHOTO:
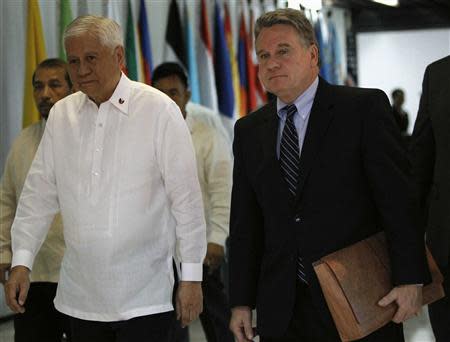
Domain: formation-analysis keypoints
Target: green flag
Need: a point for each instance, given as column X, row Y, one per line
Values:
column 65, row 18
column 130, row 47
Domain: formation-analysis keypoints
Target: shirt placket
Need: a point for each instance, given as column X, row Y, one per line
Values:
column 96, row 171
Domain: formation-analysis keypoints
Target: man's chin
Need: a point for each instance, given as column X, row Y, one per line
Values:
column 44, row 112
column 88, row 92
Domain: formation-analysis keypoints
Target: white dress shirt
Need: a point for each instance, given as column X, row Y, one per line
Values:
column 214, row 167
column 124, row 177
column 210, row 117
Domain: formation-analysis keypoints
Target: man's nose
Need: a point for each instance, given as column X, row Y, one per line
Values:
column 272, row 64
column 83, row 69
column 46, row 92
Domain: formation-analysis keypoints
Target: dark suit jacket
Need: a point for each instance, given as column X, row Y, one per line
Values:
column 354, row 182
column 430, row 153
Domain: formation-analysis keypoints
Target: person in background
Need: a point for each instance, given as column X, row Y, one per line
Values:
column 214, row 172
column 430, row 155
column 117, row 160
column 400, row 115
column 314, row 171
column 211, row 118
column 41, row 321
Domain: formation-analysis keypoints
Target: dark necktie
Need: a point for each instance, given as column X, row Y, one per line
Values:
column 289, row 151
column 290, row 165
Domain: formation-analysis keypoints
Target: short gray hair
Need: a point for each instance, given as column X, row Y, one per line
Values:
column 108, row 32
column 291, row 17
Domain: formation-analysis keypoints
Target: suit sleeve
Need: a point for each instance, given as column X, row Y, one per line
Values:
column 246, row 231
column 423, row 150
column 389, row 176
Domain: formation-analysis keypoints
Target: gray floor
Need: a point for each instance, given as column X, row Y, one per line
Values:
column 416, row 330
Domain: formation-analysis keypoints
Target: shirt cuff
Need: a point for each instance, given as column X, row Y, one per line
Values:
column 22, row 257
column 191, row 272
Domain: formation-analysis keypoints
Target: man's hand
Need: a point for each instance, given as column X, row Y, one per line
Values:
column 214, row 256
column 189, row 301
column 408, row 299
column 241, row 323
column 16, row 288
column 4, row 267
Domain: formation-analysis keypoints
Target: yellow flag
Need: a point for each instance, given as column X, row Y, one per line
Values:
column 233, row 62
column 34, row 54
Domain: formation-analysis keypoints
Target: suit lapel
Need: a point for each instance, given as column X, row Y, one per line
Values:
column 320, row 118
column 269, row 131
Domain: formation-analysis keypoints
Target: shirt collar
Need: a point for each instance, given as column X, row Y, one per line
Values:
column 303, row 102
column 120, row 97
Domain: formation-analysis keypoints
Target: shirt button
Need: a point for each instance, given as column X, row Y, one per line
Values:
column 297, row 219
column 95, row 173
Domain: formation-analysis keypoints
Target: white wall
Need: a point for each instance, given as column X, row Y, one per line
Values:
column 389, row 60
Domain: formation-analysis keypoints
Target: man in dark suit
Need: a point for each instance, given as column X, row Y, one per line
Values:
column 431, row 164
column 316, row 170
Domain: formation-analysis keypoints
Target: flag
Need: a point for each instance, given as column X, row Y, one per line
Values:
column 191, row 58
column 207, row 82
column 144, row 42
column 222, row 67
column 174, row 49
column 255, row 13
column 242, row 57
column 35, row 53
column 269, row 5
column 65, row 18
column 336, row 52
column 251, row 69
column 323, row 40
column 112, row 12
column 83, row 7
column 233, row 62
column 130, row 48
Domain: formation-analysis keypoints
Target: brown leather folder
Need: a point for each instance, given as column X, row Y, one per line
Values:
column 355, row 278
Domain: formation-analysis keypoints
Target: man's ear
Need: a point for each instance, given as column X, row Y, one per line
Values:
column 119, row 52
column 188, row 95
column 314, row 54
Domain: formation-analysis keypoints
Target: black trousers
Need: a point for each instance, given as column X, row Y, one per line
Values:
column 215, row 318
column 151, row 328
column 440, row 312
column 307, row 325
column 41, row 322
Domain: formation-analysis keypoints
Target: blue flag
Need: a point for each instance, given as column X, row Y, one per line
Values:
column 222, row 67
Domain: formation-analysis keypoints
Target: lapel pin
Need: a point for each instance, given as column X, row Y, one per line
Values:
column 121, row 101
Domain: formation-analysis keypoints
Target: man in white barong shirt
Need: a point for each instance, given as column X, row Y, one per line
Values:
column 117, row 160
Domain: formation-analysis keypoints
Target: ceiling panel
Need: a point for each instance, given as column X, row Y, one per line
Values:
column 411, row 14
